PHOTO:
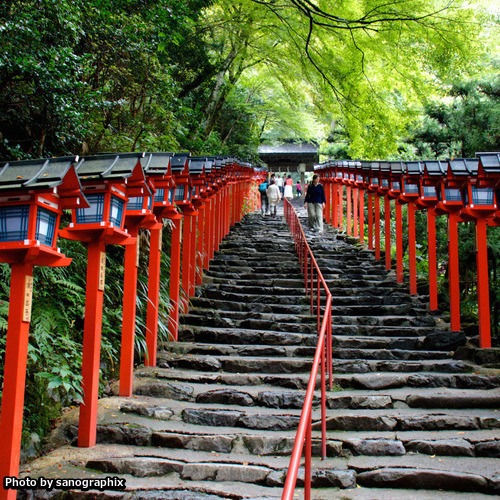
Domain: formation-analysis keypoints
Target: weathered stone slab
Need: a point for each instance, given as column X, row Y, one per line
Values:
column 269, row 445
column 372, row 402
column 375, row 447
column 124, row 434
column 360, row 423
column 453, row 447
column 275, row 399
column 226, row 397
column 157, row 412
column 333, row 478
column 179, row 392
column 136, row 466
column 422, row 479
column 269, row 422
column 488, row 449
column 213, row 418
column 434, row 422
column 211, row 443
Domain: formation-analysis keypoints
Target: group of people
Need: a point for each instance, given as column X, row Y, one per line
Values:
column 272, row 191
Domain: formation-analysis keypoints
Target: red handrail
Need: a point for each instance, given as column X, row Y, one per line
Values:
column 304, row 430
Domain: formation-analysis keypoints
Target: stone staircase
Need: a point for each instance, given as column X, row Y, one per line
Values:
column 217, row 417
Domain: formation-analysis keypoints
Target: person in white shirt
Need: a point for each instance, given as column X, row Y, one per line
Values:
column 279, row 182
column 274, row 197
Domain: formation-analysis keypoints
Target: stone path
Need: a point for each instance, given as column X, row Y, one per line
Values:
column 217, row 418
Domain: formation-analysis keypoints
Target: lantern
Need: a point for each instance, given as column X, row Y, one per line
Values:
column 33, row 194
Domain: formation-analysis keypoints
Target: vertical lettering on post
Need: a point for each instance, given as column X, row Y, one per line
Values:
column 28, row 298
column 102, row 270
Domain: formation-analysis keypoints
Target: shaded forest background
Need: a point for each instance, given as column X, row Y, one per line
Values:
column 362, row 80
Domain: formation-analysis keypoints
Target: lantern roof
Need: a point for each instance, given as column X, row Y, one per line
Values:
column 179, row 163
column 396, row 167
column 434, row 168
column 196, row 165
column 414, row 167
column 384, row 167
column 208, row 165
column 490, row 162
column 108, row 166
column 463, row 166
column 156, row 163
column 45, row 174
column 34, row 174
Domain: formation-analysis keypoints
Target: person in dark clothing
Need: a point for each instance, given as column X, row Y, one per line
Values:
column 264, row 202
column 315, row 202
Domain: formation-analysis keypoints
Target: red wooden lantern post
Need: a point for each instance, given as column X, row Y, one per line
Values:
column 209, row 211
column 393, row 193
column 365, row 173
column 32, row 196
column 430, row 186
column 347, row 182
column 340, row 178
column 481, row 205
column 157, row 169
column 383, row 189
column 410, row 194
column 360, row 188
column 337, row 195
column 182, row 198
column 330, row 165
column 138, row 214
column 104, row 179
column 373, row 186
column 198, row 197
column 325, row 179
column 451, row 203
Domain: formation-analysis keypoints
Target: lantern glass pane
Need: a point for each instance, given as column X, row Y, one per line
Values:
column 116, row 211
column 150, row 201
column 95, row 213
column 385, row 183
column 179, row 193
column 359, row 178
column 135, row 203
column 374, row 181
column 190, row 192
column 45, row 226
column 339, row 175
column 14, row 223
column 411, row 188
column 171, row 195
column 346, row 176
column 352, row 177
column 452, row 194
column 160, row 195
column 430, row 192
column 482, row 196
column 395, row 186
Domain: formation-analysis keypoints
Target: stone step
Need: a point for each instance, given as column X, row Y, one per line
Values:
column 389, row 320
column 359, row 342
column 359, row 381
column 242, row 336
column 302, row 351
column 225, row 305
column 214, row 320
column 283, row 298
column 381, row 331
column 257, row 364
column 195, row 316
column 410, row 420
